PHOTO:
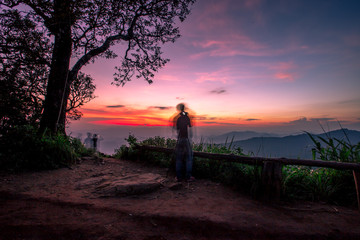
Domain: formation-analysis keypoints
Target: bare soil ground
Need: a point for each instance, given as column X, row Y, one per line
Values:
column 52, row 205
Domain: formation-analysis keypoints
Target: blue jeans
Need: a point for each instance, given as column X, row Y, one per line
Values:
column 184, row 154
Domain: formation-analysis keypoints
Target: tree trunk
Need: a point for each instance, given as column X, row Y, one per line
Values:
column 55, row 99
column 62, row 116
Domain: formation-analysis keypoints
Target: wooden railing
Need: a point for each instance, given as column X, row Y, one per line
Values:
column 272, row 168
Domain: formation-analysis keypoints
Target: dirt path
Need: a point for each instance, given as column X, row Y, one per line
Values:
column 54, row 205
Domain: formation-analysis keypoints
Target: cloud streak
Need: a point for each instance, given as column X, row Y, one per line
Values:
column 161, row 107
column 218, row 91
column 252, row 119
column 231, row 45
column 115, row 106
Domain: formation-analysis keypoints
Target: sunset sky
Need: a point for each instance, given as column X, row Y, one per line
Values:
column 274, row 66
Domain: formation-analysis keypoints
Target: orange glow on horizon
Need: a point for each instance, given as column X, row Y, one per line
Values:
column 161, row 117
column 127, row 123
column 161, row 120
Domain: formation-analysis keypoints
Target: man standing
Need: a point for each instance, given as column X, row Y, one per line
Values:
column 88, row 142
column 95, row 140
column 184, row 154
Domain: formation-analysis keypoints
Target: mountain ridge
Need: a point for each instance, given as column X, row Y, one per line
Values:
column 291, row 146
column 238, row 136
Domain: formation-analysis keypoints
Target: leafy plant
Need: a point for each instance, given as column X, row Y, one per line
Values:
column 319, row 184
column 22, row 148
column 132, row 140
column 333, row 149
column 329, row 184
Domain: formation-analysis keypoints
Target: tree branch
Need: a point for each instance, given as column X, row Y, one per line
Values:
column 38, row 11
column 96, row 51
column 106, row 45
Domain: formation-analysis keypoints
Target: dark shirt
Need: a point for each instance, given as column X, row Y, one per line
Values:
column 182, row 124
column 95, row 142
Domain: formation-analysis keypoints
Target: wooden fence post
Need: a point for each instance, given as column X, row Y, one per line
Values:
column 357, row 185
column 271, row 178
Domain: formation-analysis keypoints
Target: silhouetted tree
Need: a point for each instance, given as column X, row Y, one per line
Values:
column 81, row 91
column 25, row 55
column 84, row 30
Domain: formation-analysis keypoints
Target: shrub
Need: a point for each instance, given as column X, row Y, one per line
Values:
column 319, row 184
column 131, row 153
column 79, row 148
column 127, row 152
column 22, row 148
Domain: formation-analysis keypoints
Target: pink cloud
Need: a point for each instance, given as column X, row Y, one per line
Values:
column 223, row 75
column 285, row 71
column 283, row 66
column 243, row 45
column 197, row 56
column 287, row 77
column 167, row 77
column 235, row 44
column 243, row 40
column 211, row 77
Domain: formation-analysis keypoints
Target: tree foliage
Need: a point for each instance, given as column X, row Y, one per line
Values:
column 25, row 55
column 81, row 91
column 24, row 61
column 85, row 30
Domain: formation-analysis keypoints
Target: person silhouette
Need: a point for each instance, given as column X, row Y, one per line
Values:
column 88, row 141
column 183, row 151
column 95, row 139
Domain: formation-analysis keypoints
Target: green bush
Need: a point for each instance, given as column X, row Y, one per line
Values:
column 319, row 184
column 121, row 152
column 299, row 182
column 79, row 148
column 22, row 148
column 127, row 152
column 131, row 153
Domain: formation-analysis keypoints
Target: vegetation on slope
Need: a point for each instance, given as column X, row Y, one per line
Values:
column 22, row 148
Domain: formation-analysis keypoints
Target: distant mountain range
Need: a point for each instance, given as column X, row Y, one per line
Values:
column 293, row 146
column 238, row 136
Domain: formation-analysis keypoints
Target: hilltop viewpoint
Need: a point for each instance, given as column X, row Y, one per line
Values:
column 120, row 199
